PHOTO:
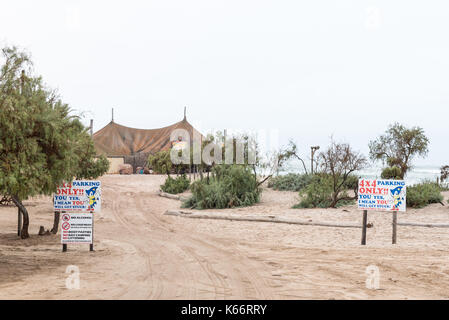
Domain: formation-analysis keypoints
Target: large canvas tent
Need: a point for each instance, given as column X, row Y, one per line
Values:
column 134, row 145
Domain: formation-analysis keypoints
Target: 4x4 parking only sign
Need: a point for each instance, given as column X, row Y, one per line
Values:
column 382, row 195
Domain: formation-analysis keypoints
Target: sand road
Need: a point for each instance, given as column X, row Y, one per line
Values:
column 142, row 254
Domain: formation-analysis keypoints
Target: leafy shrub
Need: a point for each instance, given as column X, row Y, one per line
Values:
column 391, row 173
column 423, row 194
column 297, row 182
column 290, row 182
column 175, row 186
column 352, row 182
column 318, row 193
column 229, row 186
column 160, row 162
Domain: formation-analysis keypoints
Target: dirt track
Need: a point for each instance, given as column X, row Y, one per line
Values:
column 142, row 254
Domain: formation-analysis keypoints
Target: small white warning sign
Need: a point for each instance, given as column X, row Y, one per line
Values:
column 76, row 227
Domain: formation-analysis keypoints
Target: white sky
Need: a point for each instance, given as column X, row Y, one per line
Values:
column 309, row 69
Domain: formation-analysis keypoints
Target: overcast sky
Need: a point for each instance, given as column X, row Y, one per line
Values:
column 306, row 69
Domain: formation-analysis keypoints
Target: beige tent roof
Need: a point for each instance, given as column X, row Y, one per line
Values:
column 117, row 140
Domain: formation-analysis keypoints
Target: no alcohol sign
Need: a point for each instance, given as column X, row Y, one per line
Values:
column 76, row 228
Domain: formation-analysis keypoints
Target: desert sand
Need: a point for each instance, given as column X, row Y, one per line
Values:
column 140, row 253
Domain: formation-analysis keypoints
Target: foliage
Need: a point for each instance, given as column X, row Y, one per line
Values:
column 391, row 173
column 423, row 194
column 229, row 186
column 160, row 162
column 339, row 161
column 398, row 146
column 290, row 182
column 297, row 182
column 175, row 186
column 41, row 144
column 89, row 167
column 444, row 173
column 319, row 193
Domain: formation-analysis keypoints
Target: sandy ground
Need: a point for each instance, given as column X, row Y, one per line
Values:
column 142, row 254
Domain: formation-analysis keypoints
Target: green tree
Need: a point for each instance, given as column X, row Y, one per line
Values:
column 399, row 146
column 444, row 173
column 391, row 173
column 160, row 162
column 40, row 141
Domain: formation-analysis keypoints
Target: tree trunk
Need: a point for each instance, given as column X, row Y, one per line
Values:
column 55, row 228
column 26, row 220
column 303, row 164
column 334, row 200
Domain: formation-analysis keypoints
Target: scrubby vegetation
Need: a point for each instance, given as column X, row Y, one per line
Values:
column 423, row 194
column 297, row 182
column 177, row 185
column 290, row 182
column 318, row 193
column 328, row 188
column 160, row 162
column 391, row 173
column 228, row 186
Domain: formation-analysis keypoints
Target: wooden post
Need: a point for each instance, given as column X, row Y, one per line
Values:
column 395, row 223
column 19, row 222
column 91, row 246
column 311, row 160
column 64, row 247
column 312, row 154
column 365, row 218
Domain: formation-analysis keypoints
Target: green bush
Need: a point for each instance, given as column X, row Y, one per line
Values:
column 297, row 182
column 229, row 186
column 318, row 193
column 391, row 173
column 352, row 182
column 175, row 186
column 290, row 182
column 423, row 194
column 160, row 162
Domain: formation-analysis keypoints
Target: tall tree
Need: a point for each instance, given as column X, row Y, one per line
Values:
column 399, row 146
column 40, row 141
